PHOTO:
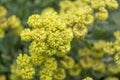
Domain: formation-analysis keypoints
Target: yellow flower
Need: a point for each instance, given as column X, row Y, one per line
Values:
column 3, row 12
column 38, row 35
column 112, row 4
column 99, row 66
column 37, row 47
column 113, row 69
column 37, row 59
column 67, row 62
column 75, row 71
column 86, row 62
column 46, row 74
column 117, row 35
column 102, row 15
column 23, row 60
column 117, row 45
column 96, row 4
column 99, row 45
column 50, row 64
column 4, row 24
column 88, row 20
column 27, row 72
column 15, row 72
column 87, row 1
column 14, row 22
column 26, row 35
column 117, row 58
column 80, row 31
column 34, row 21
column 109, row 48
column 84, row 52
column 59, row 74
column 87, row 78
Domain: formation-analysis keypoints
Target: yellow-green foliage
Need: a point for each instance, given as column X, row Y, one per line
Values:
column 50, row 35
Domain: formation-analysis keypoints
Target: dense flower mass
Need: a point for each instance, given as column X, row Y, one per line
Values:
column 50, row 36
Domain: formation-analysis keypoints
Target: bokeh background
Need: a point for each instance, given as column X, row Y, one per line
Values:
column 11, row 45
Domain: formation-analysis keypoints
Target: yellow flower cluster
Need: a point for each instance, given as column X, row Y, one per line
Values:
column 15, row 72
column 48, row 68
column 15, row 24
column 26, row 70
column 48, row 35
column 104, row 57
column 79, row 14
column 3, row 21
column 11, row 22
column 51, row 33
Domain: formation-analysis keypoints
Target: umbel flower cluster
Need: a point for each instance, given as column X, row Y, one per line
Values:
column 103, row 58
column 11, row 22
column 50, row 35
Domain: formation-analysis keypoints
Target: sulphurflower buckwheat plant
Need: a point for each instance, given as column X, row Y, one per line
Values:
column 50, row 35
